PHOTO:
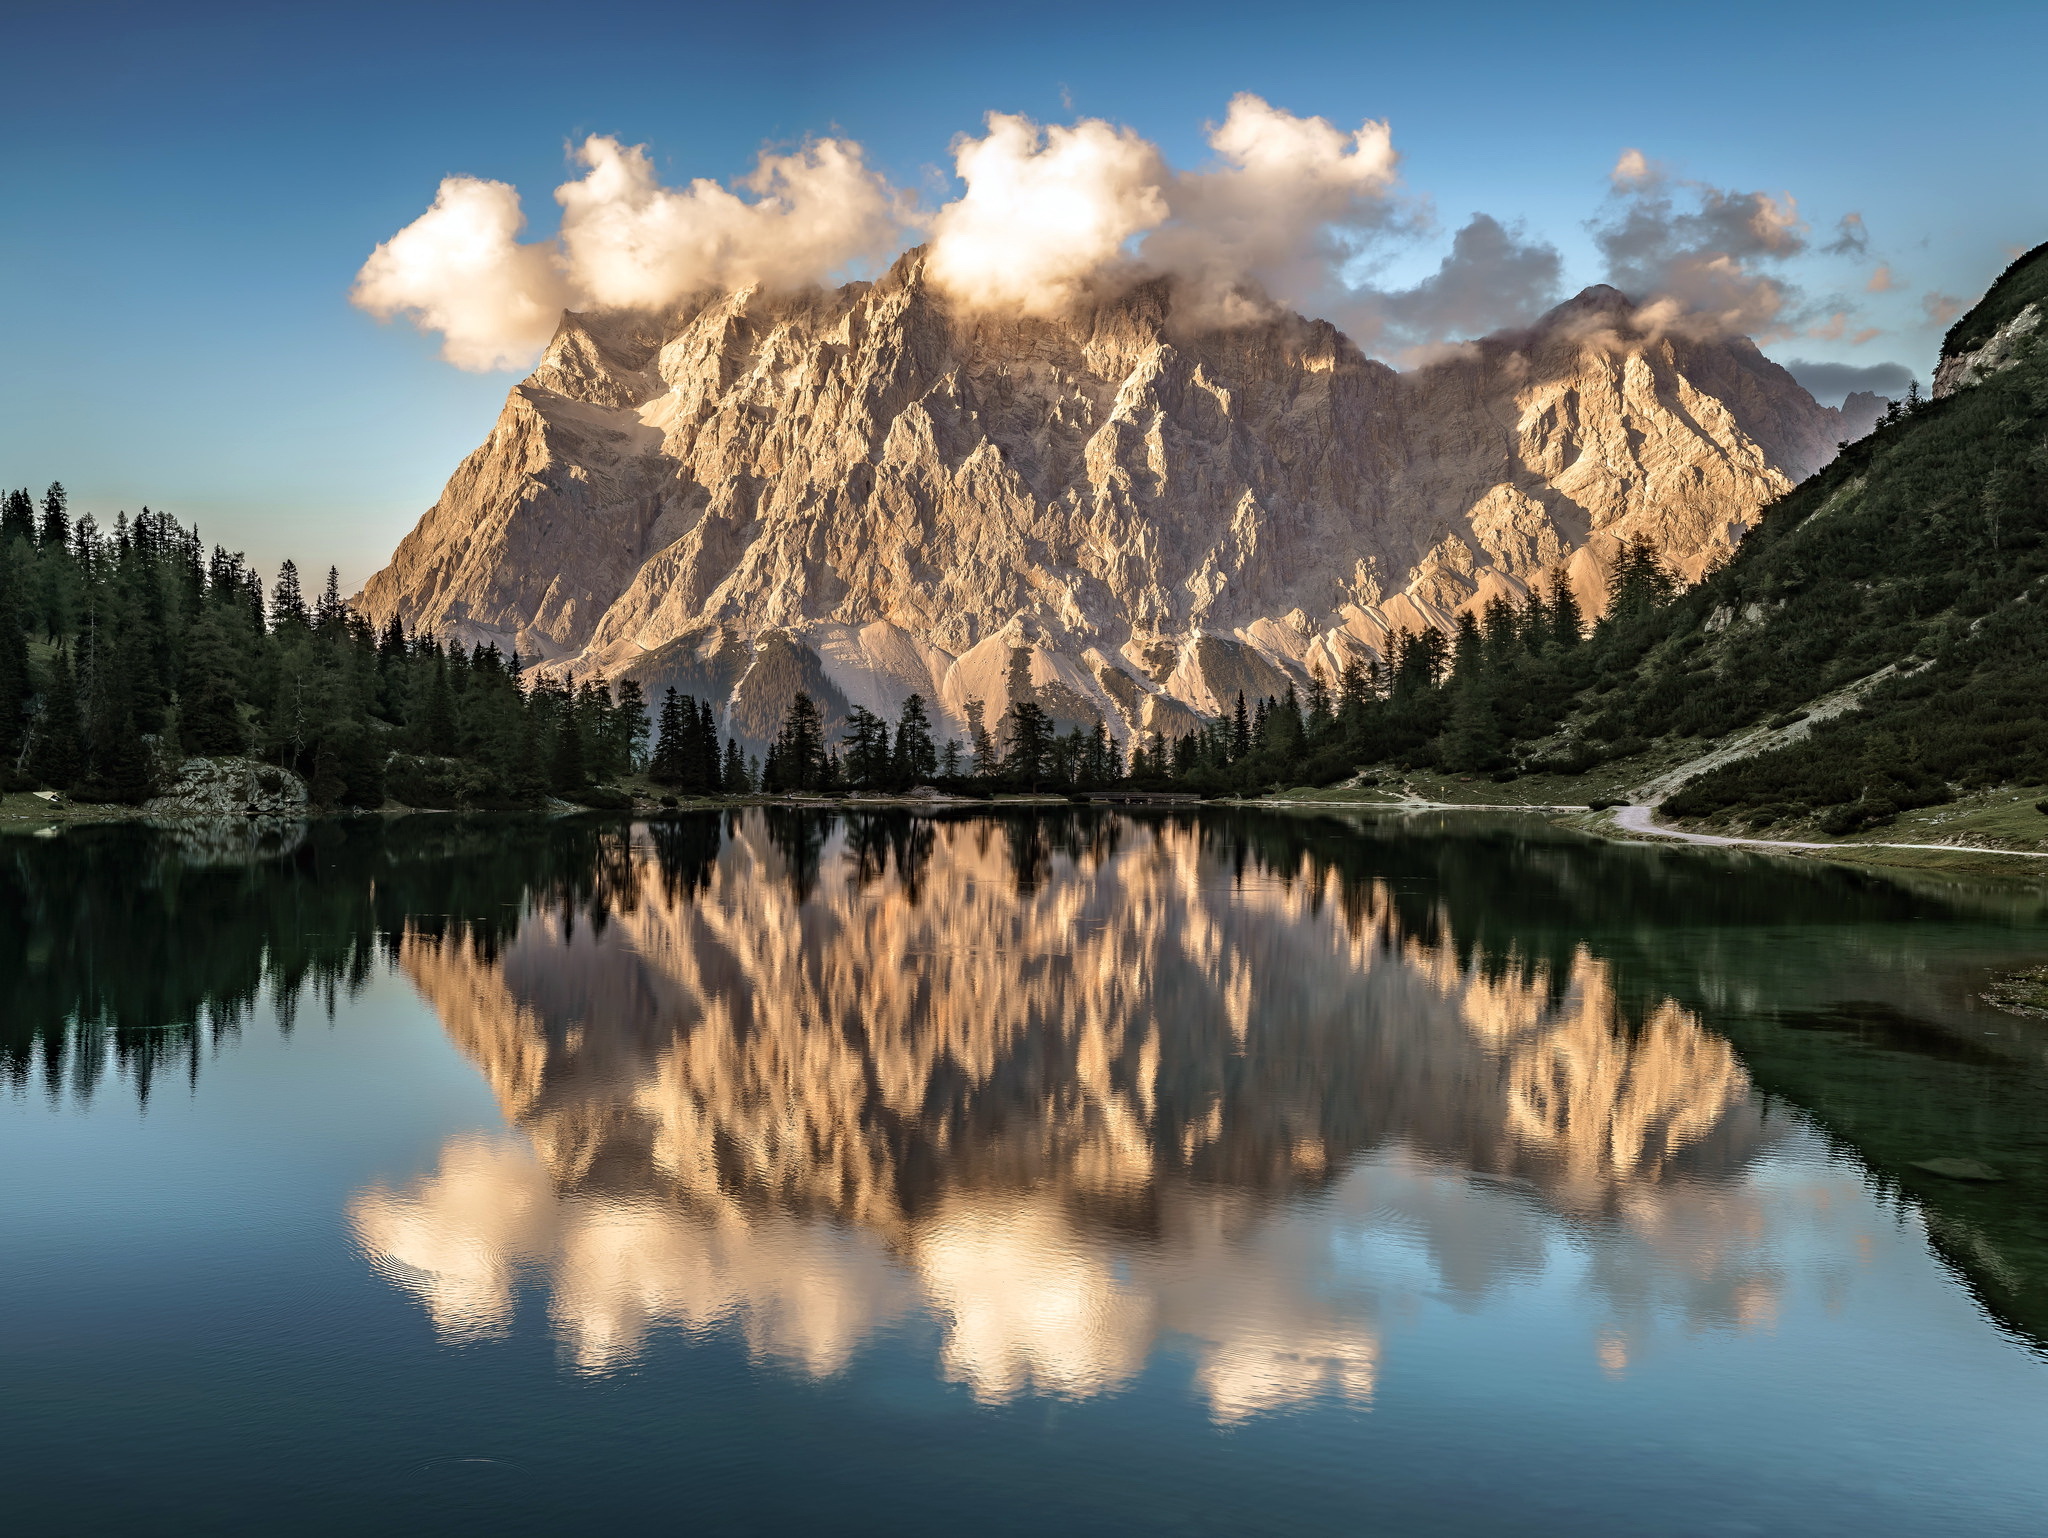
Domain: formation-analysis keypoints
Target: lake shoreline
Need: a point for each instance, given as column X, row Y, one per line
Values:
column 28, row 813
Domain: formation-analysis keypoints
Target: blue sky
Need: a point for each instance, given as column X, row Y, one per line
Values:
column 190, row 190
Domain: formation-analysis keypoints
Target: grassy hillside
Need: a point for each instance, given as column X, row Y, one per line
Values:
column 1923, row 547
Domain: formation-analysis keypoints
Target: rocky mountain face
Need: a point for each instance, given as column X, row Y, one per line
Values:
column 2002, row 350
column 869, row 493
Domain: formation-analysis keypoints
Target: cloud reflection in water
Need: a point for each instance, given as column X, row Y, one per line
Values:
column 1078, row 1104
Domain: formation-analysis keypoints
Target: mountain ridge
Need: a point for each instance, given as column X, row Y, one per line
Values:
column 874, row 493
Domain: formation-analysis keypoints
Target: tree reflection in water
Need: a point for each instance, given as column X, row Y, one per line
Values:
column 1088, row 1087
column 1078, row 1087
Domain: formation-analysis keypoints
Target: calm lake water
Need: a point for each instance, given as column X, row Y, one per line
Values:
column 788, row 1172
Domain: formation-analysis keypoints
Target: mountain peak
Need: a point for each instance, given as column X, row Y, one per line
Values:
column 869, row 495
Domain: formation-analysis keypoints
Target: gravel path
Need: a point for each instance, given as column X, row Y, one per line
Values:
column 1636, row 819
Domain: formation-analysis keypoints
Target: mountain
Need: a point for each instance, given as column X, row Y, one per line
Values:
column 1916, row 562
column 868, row 492
column 1861, row 412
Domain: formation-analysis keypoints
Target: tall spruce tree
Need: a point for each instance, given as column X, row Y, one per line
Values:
column 56, row 530
column 916, row 758
column 670, row 747
column 867, row 749
column 287, row 602
column 734, row 779
column 209, row 719
column 117, row 764
column 1567, row 619
column 797, row 756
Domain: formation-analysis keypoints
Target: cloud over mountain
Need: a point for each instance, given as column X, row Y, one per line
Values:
column 1705, row 258
column 1288, row 214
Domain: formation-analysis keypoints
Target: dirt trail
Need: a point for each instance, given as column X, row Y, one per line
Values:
column 1638, row 819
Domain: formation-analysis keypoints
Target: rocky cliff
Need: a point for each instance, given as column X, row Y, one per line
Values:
column 869, row 493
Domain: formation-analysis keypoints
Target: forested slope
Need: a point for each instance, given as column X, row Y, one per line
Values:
column 1925, row 546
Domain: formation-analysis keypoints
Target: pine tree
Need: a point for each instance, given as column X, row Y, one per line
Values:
column 667, row 766
column 1474, row 740
column 987, row 765
column 117, row 768
column 593, row 711
column 56, row 531
column 629, row 728
column 1240, row 730
column 528, row 781
column 798, row 754
column 331, row 617
column 1354, row 696
column 1028, row 732
column 867, row 749
column 916, row 759
column 1639, row 581
column 734, row 778
column 17, row 520
column 705, row 767
column 1319, row 719
column 1285, row 731
column 437, row 733
column 1567, row 619
column 1535, row 624
column 1468, row 649
column 1501, row 626
column 57, row 589
column 59, row 755
column 287, row 603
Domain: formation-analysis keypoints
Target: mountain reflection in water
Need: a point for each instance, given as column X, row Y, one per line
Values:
column 1081, row 1092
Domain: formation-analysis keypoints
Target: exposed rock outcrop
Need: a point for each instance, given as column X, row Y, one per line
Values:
column 229, row 787
column 869, row 493
column 1958, row 371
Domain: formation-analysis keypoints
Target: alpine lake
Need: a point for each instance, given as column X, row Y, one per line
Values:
column 869, row 1171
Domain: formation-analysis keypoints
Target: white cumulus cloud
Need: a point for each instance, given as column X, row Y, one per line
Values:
column 625, row 241
column 1047, row 212
column 1289, row 201
column 630, row 242
column 459, row 269
column 1288, row 214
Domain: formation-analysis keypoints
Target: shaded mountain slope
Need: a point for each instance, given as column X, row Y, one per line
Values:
column 1923, row 547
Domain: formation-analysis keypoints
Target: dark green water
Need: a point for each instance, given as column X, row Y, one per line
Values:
column 1090, row 1173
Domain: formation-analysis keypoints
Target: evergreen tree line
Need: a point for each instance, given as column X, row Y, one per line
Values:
column 123, row 651
column 1024, row 751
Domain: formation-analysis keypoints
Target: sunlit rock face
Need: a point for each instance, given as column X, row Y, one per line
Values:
column 1073, row 1098
column 867, row 494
